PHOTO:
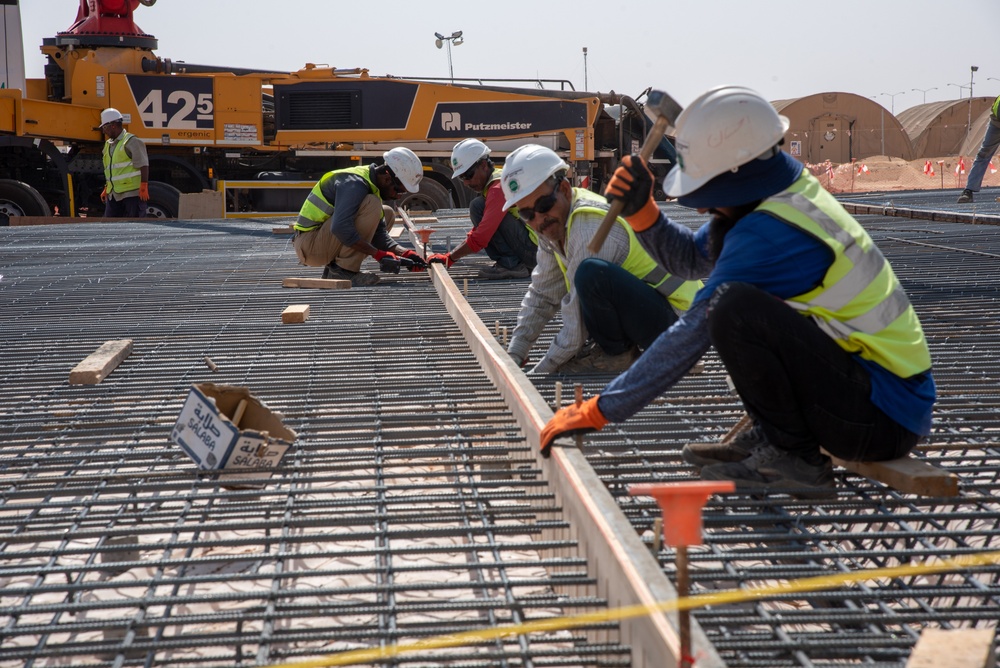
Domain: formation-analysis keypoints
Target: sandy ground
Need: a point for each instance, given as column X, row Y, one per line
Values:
column 886, row 174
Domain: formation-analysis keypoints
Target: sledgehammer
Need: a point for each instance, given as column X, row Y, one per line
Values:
column 664, row 110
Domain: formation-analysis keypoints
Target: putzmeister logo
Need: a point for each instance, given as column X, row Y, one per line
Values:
column 451, row 121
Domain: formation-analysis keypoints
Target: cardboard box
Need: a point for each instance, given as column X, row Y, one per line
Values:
column 206, row 205
column 206, row 431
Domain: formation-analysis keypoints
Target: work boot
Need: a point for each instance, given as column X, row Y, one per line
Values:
column 595, row 360
column 736, row 450
column 965, row 197
column 498, row 271
column 809, row 480
column 744, row 472
column 358, row 279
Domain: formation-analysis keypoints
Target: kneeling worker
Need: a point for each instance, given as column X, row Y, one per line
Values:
column 508, row 242
column 343, row 219
column 621, row 296
column 821, row 342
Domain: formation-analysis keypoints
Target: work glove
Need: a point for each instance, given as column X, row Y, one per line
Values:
column 572, row 420
column 418, row 262
column 442, row 258
column 381, row 254
column 632, row 183
column 144, row 192
column 104, row 194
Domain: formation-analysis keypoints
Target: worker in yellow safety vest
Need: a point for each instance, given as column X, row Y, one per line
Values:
column 815, row 331
column 343, row 220
column 126, row 169
column 621, row 297
column 510, row 243
column 991, row 142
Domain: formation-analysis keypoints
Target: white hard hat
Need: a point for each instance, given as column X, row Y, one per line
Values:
column 525, row 169
column 110, row 115
column 724, row 128
column 465, row 154
column 405, row 164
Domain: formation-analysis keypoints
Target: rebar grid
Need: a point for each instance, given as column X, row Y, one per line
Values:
column 949, row 271
column 406, row 509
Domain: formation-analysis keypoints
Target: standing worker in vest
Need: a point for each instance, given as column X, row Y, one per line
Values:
column 621, row 296
column 343, row 220
column 508, row 242
column 991, row 142
column 126, row 169
column 808, row 317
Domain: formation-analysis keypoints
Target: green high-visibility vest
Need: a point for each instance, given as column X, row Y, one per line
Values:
column 512, row 210
column 316, row 210
column 119, row 172
column 860, row 303
column 679, row 293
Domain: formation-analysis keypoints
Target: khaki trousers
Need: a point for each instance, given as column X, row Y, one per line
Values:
column 320, row 247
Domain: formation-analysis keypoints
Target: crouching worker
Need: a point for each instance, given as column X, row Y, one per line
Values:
column 808, row 317
column 343, row 220
column 511, row 244
column 621, row 296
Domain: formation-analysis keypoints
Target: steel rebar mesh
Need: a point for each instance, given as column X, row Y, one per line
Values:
column 406, row 509
column 949, row 271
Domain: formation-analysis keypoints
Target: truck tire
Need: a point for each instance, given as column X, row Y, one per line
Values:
column 432, row 196
column 164, row 200
column 20, row 199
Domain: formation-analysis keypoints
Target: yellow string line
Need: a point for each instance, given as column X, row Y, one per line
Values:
column 817, row 583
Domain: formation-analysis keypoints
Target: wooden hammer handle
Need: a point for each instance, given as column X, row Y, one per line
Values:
column 646, row 152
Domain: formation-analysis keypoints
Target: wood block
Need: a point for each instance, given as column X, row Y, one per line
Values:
column 295, row 313
column 321, row 283
column 100, row 363
column 906, row 474
column 283, row 230
column 955, row 648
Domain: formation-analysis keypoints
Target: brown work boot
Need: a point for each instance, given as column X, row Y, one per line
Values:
column 767, row 467
column 497, row 272
column 358, row 279
column 736, row 450
column 965, row 197
column 594, row 360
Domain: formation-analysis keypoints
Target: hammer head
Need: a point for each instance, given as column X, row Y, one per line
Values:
column 659, row 103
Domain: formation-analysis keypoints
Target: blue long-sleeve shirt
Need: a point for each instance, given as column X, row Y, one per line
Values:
column 773, row 256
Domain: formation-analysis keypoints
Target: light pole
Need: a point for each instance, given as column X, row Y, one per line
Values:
column 456, row 39
column 972, row 74
column 585, row 69
column 892, row 96
column 924, row 91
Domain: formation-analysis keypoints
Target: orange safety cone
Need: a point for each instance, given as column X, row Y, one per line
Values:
column 681, row 504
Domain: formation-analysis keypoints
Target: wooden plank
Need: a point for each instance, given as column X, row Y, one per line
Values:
column 283, row 230
column 954, row 648
column 627, row 574
column 295, row 313
column 906, row 474
column 100, row 363
column 320, row 283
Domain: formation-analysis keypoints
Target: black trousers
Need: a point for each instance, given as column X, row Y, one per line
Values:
column 803, row 389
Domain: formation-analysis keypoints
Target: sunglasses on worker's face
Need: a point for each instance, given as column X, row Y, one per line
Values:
column 542, row 205
column 470, row 172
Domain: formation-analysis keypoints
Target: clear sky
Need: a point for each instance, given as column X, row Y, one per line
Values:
column 782, row 48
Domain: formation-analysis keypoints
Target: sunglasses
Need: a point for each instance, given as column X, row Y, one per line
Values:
column 470, row 172
column 542, row 205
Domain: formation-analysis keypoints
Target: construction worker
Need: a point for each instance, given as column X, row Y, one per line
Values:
column 621, row 296
column 808, row 317
column 343, row 220
column 991, row 142
column 508, row 242
column 126, row 169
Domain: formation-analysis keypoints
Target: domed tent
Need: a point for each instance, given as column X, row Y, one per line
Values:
column 841, row 126
column 938, row 129
column 970, row 147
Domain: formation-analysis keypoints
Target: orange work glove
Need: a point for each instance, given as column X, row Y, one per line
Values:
column 632, row 183
column 104, row 193
column 571, row 420
column 144, row 192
